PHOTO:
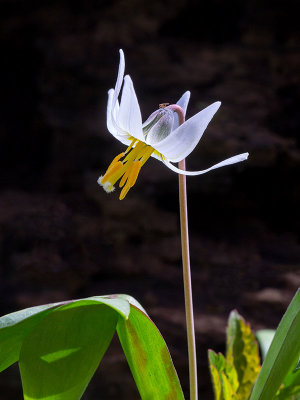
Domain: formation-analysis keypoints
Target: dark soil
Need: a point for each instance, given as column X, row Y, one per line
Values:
column 63, row 237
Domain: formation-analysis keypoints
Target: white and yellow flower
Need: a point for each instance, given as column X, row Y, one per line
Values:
column 165, row 135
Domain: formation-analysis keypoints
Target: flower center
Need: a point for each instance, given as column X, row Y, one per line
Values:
column 127, row 170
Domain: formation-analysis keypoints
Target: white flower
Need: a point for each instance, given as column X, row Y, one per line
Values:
column 164, row 135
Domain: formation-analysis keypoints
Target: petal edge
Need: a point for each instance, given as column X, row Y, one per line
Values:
column 182, row 141
column 228, row 161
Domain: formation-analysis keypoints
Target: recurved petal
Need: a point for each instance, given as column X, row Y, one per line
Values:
column 119, row 78
column 182, row 141
column 129, row 116
column 111, row 117
column 184, row 101
column 228, row 161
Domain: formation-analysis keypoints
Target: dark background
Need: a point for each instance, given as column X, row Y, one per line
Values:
column 63, row 237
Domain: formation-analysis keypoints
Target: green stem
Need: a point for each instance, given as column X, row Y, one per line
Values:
column 187, row 284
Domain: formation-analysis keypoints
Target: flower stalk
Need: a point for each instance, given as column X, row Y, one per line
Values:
column 187, row 282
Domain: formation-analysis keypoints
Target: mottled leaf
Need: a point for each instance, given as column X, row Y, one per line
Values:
column 242, row 352
column 224, row 377
column 148, row 357
column 216, row 381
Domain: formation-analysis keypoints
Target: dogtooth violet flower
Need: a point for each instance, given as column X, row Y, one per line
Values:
column 165, row 135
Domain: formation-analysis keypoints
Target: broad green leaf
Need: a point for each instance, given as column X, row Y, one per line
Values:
column 59, row 357
column 16, row 326
column 265, row 337
column 242, row 352
column 148, row 357
column 282, row 356
column 60, row 345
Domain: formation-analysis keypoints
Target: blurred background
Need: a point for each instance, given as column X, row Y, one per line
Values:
column 63, row 237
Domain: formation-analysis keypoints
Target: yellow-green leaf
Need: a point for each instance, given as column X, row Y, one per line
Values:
column 242, row 352
column 228, row 391
column 216, row 381
column 224, row 377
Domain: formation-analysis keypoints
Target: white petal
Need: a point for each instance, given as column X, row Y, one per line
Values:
column 129, row 117
column 111, row 118
column 183, row 103
column 114, row 101
column 157, row 156
column 119, row 79
column 182, row 141
column 228, row 161
column 109, row 123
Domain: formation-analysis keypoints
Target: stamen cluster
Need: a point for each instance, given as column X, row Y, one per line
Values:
column 128, row 169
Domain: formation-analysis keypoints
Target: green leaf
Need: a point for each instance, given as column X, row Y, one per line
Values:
column 59, row 347
column 148, row 357
column 242, row 352
column 16, row 326
column 290, row 390
column 297, row 368
column 291, row 383
column 282, row 356
column 59, row 357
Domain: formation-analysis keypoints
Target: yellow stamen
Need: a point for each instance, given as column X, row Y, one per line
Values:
column 133, row 141
column 134, row 153
column 146, row 155
column 125, row 176
column 124, row 191
column 111, row 171
column 114, row 161
column 128, row 169
column 134, row 172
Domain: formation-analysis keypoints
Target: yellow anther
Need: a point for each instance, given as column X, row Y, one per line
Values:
column 111, row 171
column 127, row 170
column 125, row 176
column 124, row 191
column 134, row 172
column 114, row 161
